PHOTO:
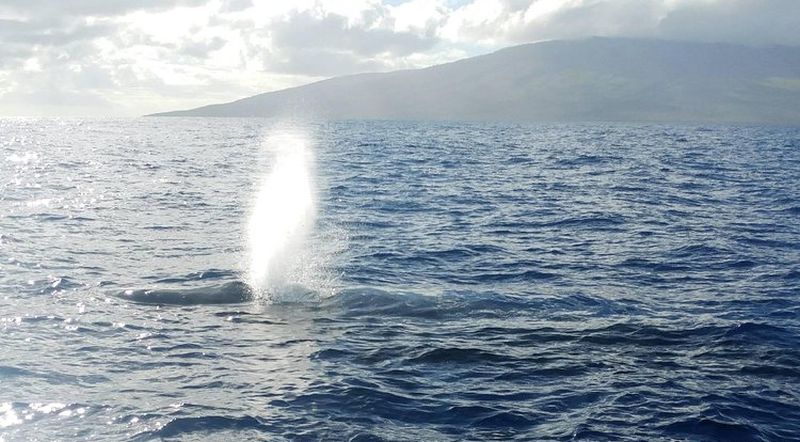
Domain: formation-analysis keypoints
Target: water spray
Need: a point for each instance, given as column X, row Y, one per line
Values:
column 282, row 216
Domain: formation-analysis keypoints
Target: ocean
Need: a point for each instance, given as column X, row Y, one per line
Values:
column 249, row 279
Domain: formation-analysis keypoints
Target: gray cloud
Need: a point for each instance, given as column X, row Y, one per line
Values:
column 79, row 85
column 201, row 49
column 235, row 5
column 58, row 32
column 322, row 46
column 321, row 63
column 303, row 30
column 755, row 22
column 628, row 18
column 54, row 42
column 90, row 7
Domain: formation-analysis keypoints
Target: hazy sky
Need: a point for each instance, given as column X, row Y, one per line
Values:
column 129, row 57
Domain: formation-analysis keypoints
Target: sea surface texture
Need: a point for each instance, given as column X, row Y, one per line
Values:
column 453, row 282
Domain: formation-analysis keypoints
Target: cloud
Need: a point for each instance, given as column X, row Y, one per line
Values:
column 62, row 88
column 756, row 22
column 496, row 22
column 424, row 16
column 618, row 18
column 320, row 63
column 202, row 49
column 310, row 44
column 235, row 5
column 136, row 56
column 82, row 8
column 333, row 32
column 58, row 32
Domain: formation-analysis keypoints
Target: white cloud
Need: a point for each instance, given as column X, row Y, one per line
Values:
column 419, row 15
column 480, row 20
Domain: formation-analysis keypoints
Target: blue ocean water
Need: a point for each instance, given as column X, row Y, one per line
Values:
column 482, row 282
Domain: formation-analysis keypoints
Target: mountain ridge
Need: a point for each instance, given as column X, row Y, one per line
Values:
column 597, row 79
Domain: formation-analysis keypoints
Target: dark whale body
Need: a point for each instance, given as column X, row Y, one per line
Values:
column 234, row 292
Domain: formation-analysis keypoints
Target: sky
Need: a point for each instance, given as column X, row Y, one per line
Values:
column 133, row 57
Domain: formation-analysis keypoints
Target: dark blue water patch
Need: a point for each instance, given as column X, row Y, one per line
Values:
column 21, row 375
column 407, row 410
column 161, row 227
column 517, row 160
column 587, row 160
column 629, row 189
column 782, row 372
column 455, row 355
column 697, row 251
column 11, row 372
column 45, row 217
column 761, row 333
column 769, row 243
column 525, row 276
column 735, row 264
column 710, row 429
column 206, row 426
column 639, row 263
column 792, row 275
column 590, row 222
column 376, row 303
column 792, row 210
